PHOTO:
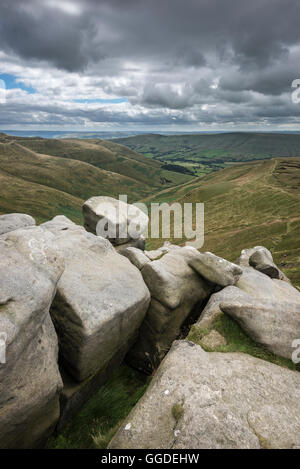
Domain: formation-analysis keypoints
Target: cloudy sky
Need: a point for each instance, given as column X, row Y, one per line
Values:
column 149, row 64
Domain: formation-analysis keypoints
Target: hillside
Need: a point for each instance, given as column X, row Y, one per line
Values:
column 247, row 205
column 204, row 153
column 45, row 177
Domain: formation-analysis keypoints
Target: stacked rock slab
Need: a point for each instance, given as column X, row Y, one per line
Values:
column 175, row 290
column 214, row 400
column 267, row 309
column 100, row 303
column 121, row 223
column 30, row 382
column 261, row 259
column 216, row 269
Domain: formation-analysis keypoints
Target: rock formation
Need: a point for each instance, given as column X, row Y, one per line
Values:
column 13, row 221
column 99, row 301
column 30, row 382
column 175, row 290
column 226, row 400
column 215, row 269
column 122, row 223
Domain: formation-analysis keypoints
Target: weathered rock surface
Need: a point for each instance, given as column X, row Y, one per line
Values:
column 213, row 339
column 260, row 286
column 261, row 259
column 139, row 243
column 120, row 220
column 136, row 256
column 215, row 269
column 227, row 401
column 175, row 290
column 60, row 223
column 30, row 382
column 272, row 324
column 14, row 221
column 212, row 310
column 100, row 303
column 155, row 255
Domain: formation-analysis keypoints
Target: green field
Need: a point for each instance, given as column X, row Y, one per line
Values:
column 44, row 177
column 203, row 153
column 247, row 205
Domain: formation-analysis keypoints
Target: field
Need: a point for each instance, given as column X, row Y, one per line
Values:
column 47, row 177
column 204, row 153
column 247, row 205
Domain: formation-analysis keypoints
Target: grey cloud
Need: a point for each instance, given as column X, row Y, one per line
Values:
column 160, row 44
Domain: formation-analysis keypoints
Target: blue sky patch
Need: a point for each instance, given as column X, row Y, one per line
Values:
column 98, row 100
column 11, row 83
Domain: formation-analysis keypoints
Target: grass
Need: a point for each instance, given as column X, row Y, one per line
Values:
column 177, row 411
column 247, row 205
column 101, row 416
column 210, row 152
column 45, row 178
column 237, row 341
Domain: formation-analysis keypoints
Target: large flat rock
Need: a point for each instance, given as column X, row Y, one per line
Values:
column 176, row 290
column 273, row 325
column 216, row 269
column 214, row 400
column 100, row 302
column 260, row 286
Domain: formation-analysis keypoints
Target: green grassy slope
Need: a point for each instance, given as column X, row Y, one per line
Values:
column 207, row 152
column 36, row 180
column 109, row 156
column 247, row 205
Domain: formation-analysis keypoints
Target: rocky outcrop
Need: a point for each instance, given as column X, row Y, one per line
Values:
column 15, row 221
column 120, row 222
column 30, row 382
column 215, row 269
column 266, row 309
column 106, row 305
column 136, row 256
column 262, row 260
column 175, row 290
column 100, row 303
column 260, row 286
column 212, row 309
column 271, row 324
column 214, row 401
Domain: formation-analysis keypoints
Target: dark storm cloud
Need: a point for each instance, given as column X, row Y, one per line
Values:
column 258, row 31
column 236, row 56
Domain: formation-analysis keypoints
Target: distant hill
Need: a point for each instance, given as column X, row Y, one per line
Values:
column 248, row 205
column 245, row 204
column 206, row 152
column 45, row 177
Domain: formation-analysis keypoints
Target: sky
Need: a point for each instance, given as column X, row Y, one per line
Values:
column 182, row 65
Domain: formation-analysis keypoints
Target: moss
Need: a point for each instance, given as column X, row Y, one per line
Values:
column 237, row 341
column 101, row 416
column 177, row 411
